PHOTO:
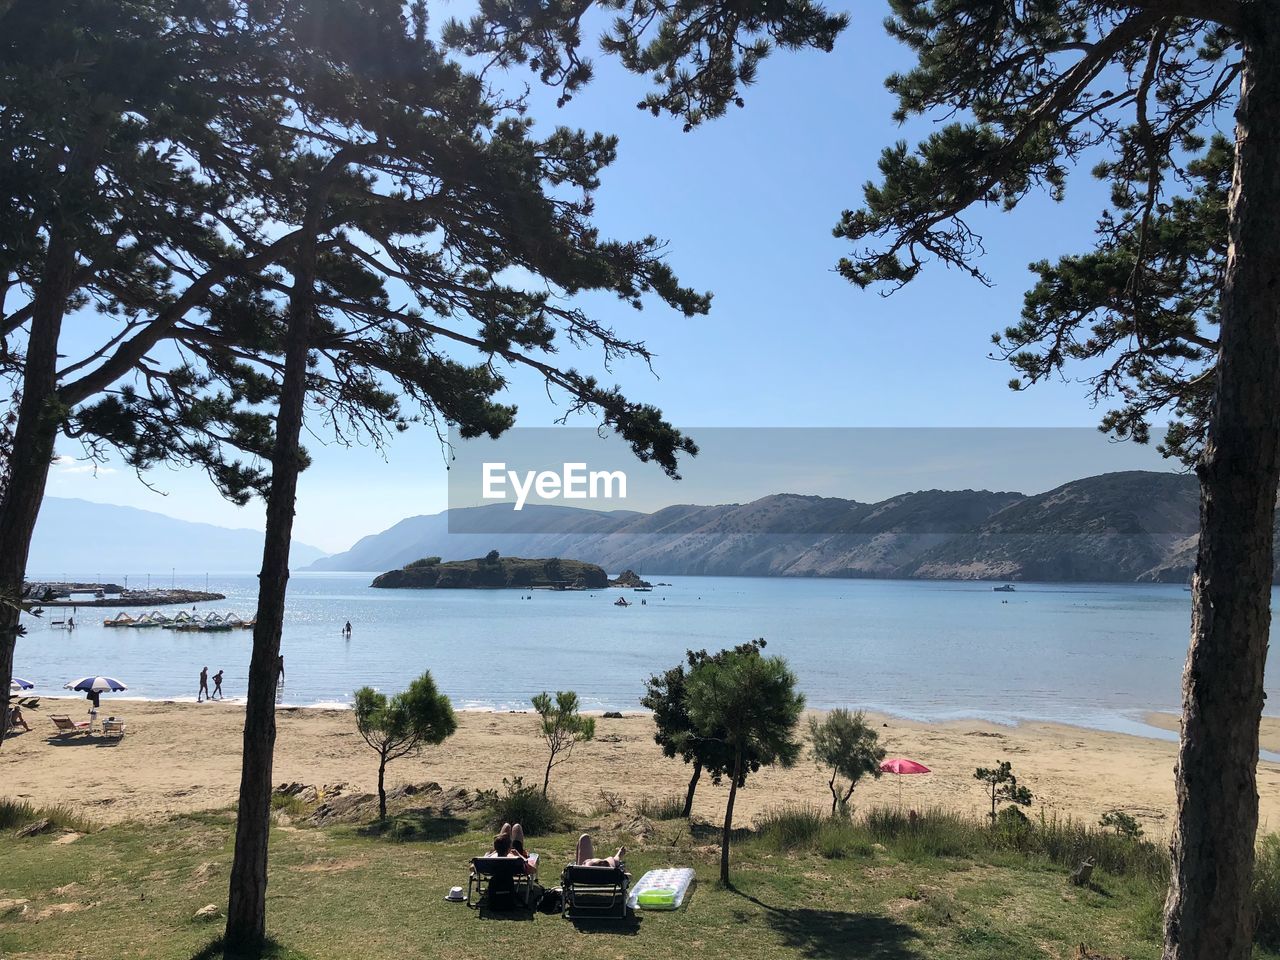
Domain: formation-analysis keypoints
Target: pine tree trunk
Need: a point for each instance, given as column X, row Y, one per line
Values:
column 382, row 789
column 36, row 433
column 693, row 785
column 728, row 817
column 1208, row 915
column 247, row 901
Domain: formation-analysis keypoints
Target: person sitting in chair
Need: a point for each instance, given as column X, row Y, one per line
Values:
column 16, row 719
column 510, row 843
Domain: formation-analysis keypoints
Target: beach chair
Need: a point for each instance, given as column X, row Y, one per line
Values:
column 113, row 727
column 66, row 726
column 503, row 879
column 595, row 892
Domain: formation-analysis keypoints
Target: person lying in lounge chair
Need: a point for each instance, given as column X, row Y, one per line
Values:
column 586, row 856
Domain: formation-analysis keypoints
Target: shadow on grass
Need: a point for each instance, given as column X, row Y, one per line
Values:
column 518, row 911
column 839, row 935
column 625, row 927
column 270, row 950
column 412, row 826
column 713, row 832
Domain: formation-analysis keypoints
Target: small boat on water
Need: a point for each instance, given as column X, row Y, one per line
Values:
column 1007, row 588
column 621, row 602
column 121, row 619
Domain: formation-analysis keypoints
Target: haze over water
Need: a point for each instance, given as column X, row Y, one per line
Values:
column 1097, row 655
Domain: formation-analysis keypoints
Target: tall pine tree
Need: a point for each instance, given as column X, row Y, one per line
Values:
column 1178, row 299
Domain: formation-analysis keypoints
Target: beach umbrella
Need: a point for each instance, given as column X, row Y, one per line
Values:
column 17, row 683
column 900, row 767
column 95, row 685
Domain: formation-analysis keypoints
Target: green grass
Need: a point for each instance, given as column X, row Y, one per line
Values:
column 130, row 891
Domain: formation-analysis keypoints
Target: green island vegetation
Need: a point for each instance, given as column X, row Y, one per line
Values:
column 495, row 572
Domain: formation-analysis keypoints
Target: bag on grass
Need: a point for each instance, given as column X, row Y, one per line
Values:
column 551, row 901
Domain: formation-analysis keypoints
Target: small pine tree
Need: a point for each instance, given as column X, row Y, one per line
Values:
column 1124, row 824
column 849, row 747
column 750, row 703
column 673, row 728
column 562, row 728
column 401, row 725
column 1002, row 786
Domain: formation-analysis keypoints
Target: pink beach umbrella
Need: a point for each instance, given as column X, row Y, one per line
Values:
column 900, row 766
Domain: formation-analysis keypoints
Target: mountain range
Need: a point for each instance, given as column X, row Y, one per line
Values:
column 77, row 538
column 1116, row 527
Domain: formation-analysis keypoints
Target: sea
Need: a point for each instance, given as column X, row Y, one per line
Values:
column 1094, row 655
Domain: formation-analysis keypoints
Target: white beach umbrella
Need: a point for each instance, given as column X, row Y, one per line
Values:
column 95, row 685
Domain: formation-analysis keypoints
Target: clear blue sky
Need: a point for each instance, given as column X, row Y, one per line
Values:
column 747, row 204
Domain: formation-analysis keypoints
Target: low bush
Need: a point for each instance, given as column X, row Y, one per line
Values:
column 922, row 836
column 791, row 828
column 525, row 805
column 290, row 804
column 15, row 814
column 661, row 808
column 811, row 827
column 938, row 833
column 1266, row 892
column 1067, row 842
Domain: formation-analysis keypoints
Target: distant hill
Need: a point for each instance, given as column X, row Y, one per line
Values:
column 482, row 573
column 78, row 538
column 1116, row 527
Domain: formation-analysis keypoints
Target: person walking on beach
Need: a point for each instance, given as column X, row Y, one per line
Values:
column 204, row 685
column 217, row 686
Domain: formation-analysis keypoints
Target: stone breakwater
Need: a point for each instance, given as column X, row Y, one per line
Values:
column 131, row 598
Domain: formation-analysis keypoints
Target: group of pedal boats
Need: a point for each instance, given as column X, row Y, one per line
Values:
column 183, row 620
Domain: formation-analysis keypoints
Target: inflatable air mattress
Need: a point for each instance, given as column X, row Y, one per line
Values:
column 661, row 889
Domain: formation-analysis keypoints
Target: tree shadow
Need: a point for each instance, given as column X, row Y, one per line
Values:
column 268, row 950
column 838, row 935
column 712, row 832
column 416, row 826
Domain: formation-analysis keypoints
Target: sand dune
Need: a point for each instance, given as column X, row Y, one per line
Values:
column 185, row 756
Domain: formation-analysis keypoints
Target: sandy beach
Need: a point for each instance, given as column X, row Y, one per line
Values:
column 185, row 756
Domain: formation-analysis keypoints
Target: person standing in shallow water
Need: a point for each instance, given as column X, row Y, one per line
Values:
column 204, row 685
column 280, row 668
column 346, row 631
column 217, row 686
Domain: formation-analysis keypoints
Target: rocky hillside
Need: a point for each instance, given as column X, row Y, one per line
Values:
column 493, row 572
column 1115, row 527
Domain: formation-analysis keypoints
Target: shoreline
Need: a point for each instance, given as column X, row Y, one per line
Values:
column 178, row 757
column 1160, row 725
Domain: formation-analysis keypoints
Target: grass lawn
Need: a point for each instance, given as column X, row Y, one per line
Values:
column 132, row 891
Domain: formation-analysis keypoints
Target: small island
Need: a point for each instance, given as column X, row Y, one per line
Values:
column 494, row 572
column 631, row 579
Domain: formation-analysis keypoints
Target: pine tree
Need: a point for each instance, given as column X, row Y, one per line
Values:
column 748, row 702
column 1177, row 300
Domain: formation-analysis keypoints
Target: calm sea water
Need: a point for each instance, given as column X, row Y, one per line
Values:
column 1096, row 655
